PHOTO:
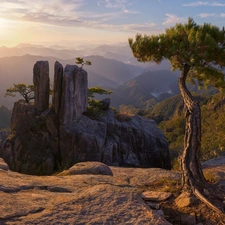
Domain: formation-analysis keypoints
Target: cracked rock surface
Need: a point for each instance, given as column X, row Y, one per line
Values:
column 79, row 199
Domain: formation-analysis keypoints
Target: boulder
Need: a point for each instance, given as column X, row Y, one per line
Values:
column 41, row 85
column 185, row 199
column 95, row 168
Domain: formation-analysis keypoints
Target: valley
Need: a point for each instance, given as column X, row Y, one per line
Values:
column 149, row 90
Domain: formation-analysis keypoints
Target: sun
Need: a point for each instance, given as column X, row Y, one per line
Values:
column 3, row 23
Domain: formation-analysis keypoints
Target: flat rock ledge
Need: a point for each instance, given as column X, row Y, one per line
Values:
column 81, row 196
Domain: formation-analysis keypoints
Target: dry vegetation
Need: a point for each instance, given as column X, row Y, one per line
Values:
column 174, row 214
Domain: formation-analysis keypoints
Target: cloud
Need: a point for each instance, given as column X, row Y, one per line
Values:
column 118, row 4
column 71, row 13
column 206, row 15
column 137, row 28
column 114, row 3
column 173, row 19
column 58, row 12
column 193, row 4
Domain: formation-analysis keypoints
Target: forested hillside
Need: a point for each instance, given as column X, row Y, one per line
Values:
column 171, row 120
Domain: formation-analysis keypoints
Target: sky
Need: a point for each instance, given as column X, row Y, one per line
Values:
column 66, row 22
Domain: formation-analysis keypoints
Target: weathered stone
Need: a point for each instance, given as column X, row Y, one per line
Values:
column 3, row 165
column 96, row 168
column 82, row 140
column 44, row 141
column 34, row 157
column 219, row 161
column 188, row 219
column 105, row 103
column 160, row 213
column 220, row 184
column 41, row 85
column 185, row 199
column 153, row 205
column 57, row 91
column 78, row 199
column 157, row 196
column 74, row 94
column 23, row 115
column 137, row 143
column 30, row 148
column 3, row 136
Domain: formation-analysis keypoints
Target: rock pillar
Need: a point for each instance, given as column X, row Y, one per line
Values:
column 58, row 79
column 74, row 94
column 41, row 85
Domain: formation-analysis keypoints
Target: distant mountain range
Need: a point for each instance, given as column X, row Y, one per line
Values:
column 151, row 85
column 103, row 72
column 113, row 67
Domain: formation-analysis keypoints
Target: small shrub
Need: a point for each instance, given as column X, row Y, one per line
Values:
column 210, row 177
column 122, row 117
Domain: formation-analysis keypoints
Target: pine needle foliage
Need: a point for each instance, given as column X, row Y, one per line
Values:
column 81, row 61
column 202, row 47
column 26, row 91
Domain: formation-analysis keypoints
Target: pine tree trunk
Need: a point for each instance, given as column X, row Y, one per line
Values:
column 192, row 176
column 190, row 163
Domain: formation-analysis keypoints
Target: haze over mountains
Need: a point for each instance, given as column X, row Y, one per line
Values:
column 113, row 67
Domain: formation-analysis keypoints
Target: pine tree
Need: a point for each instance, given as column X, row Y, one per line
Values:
column 26, row 91
column 198, row 51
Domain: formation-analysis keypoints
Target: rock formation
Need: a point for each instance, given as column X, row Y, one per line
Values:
column 46, row 139
column 74, row 94
column 41, row 85
column 86, row 194
column 3, row 135
column 57, row 91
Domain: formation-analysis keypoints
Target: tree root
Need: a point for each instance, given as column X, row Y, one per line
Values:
column 197, row 193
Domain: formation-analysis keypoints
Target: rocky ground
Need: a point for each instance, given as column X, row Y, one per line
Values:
column 93, row 193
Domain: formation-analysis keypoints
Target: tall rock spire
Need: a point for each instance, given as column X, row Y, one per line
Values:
column 41, row 85
column 74, row 94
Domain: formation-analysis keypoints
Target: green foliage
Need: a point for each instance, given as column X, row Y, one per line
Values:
column 95, row 106
column 131, row 110
column 81, row 61
column 199, row 52
column 5, row 117
column 213, row 129
column 174, row 132
column 202, row 47
column 213, row 125
column 92, row 91
column 26, row 91
column 169, row 107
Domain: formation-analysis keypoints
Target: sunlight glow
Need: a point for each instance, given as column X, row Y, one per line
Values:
column 3, row 23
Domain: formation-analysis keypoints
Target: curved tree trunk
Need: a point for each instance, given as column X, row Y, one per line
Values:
column 192, row 176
